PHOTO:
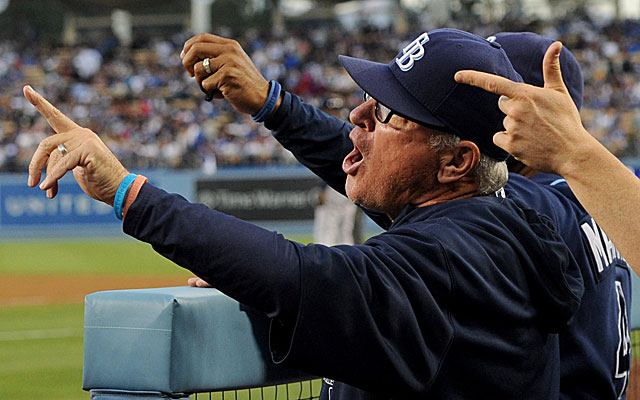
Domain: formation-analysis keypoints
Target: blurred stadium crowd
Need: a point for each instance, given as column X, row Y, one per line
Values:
column 152, row 115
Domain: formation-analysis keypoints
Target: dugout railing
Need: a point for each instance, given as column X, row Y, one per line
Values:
column 182, row 343
column 197, row 344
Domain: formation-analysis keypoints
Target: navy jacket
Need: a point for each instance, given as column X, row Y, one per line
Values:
column 455, row 301
column 595, row 349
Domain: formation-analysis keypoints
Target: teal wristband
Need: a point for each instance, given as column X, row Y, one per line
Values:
column 118, row 201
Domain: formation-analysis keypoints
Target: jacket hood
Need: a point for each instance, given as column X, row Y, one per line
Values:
column 553, row 274
column 553, row 277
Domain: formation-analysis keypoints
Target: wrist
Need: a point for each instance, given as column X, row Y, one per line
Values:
column 123, row 188
column 574, row 161
column 273, row 98
column 132, row 193
column 278, row 103
column 116, row 183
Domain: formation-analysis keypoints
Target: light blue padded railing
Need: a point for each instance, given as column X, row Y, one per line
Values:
column 174, row 342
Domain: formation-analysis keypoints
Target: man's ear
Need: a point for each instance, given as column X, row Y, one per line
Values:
column 458, row 162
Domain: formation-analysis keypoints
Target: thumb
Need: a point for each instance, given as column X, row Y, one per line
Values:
column 551, row 68
column 56, row 119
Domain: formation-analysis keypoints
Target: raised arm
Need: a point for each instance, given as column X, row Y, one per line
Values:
column 543, row 130
column 318, row 140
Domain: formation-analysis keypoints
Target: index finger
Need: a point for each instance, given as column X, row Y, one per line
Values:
column 202, row 37
column 56, row 119
column 489, row 82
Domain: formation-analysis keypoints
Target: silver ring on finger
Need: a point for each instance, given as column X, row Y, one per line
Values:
column 63, row 149
column 206, row 65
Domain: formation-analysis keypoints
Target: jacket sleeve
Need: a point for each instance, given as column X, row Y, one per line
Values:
column 257, row 267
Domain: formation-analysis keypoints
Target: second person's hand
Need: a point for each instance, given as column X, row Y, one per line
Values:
column 542, row 125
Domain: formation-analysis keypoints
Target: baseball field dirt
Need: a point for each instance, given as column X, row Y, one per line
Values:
column 17, row 290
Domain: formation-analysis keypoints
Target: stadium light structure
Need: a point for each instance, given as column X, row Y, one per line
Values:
column 201, row 15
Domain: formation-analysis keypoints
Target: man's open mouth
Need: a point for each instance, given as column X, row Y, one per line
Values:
column 352, row 161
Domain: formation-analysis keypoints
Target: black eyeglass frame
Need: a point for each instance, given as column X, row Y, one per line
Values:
column 379, row 109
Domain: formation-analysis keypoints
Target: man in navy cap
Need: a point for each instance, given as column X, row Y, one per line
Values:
column 459, row 299
column 595, row 349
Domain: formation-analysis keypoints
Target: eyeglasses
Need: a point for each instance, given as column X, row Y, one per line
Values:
column 383, row 113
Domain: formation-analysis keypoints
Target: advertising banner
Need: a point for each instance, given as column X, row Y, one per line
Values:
column 292, row 198
column 22, row 206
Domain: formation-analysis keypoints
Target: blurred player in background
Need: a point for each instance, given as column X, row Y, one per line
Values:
column 458, row 299
column 334, row 218
column 595, row 350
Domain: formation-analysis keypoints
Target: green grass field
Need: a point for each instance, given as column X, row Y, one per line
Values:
column 41, row 345
column 64, row 257
column 76, row 257
column 41, row 349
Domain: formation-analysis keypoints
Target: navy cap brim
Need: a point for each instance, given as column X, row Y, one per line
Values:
column 378, row 81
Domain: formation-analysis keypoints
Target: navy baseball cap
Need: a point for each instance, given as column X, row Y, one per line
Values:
column 419, row 84
column 526, row 51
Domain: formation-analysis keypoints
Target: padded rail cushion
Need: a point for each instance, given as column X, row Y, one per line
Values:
column 176, row 340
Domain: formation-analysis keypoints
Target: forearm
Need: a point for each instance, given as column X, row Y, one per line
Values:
column 610, row 192
column 257, row 267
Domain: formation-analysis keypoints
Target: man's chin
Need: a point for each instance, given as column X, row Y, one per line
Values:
column 349, row 188
column 361, row 200
column 355, row 192
column 360, row 195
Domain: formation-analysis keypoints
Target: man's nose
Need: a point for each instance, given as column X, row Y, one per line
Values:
column 362, row 116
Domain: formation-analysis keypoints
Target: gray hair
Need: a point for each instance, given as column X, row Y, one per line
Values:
column 490, row 174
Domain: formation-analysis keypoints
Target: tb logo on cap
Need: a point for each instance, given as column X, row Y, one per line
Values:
column 413, row 52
